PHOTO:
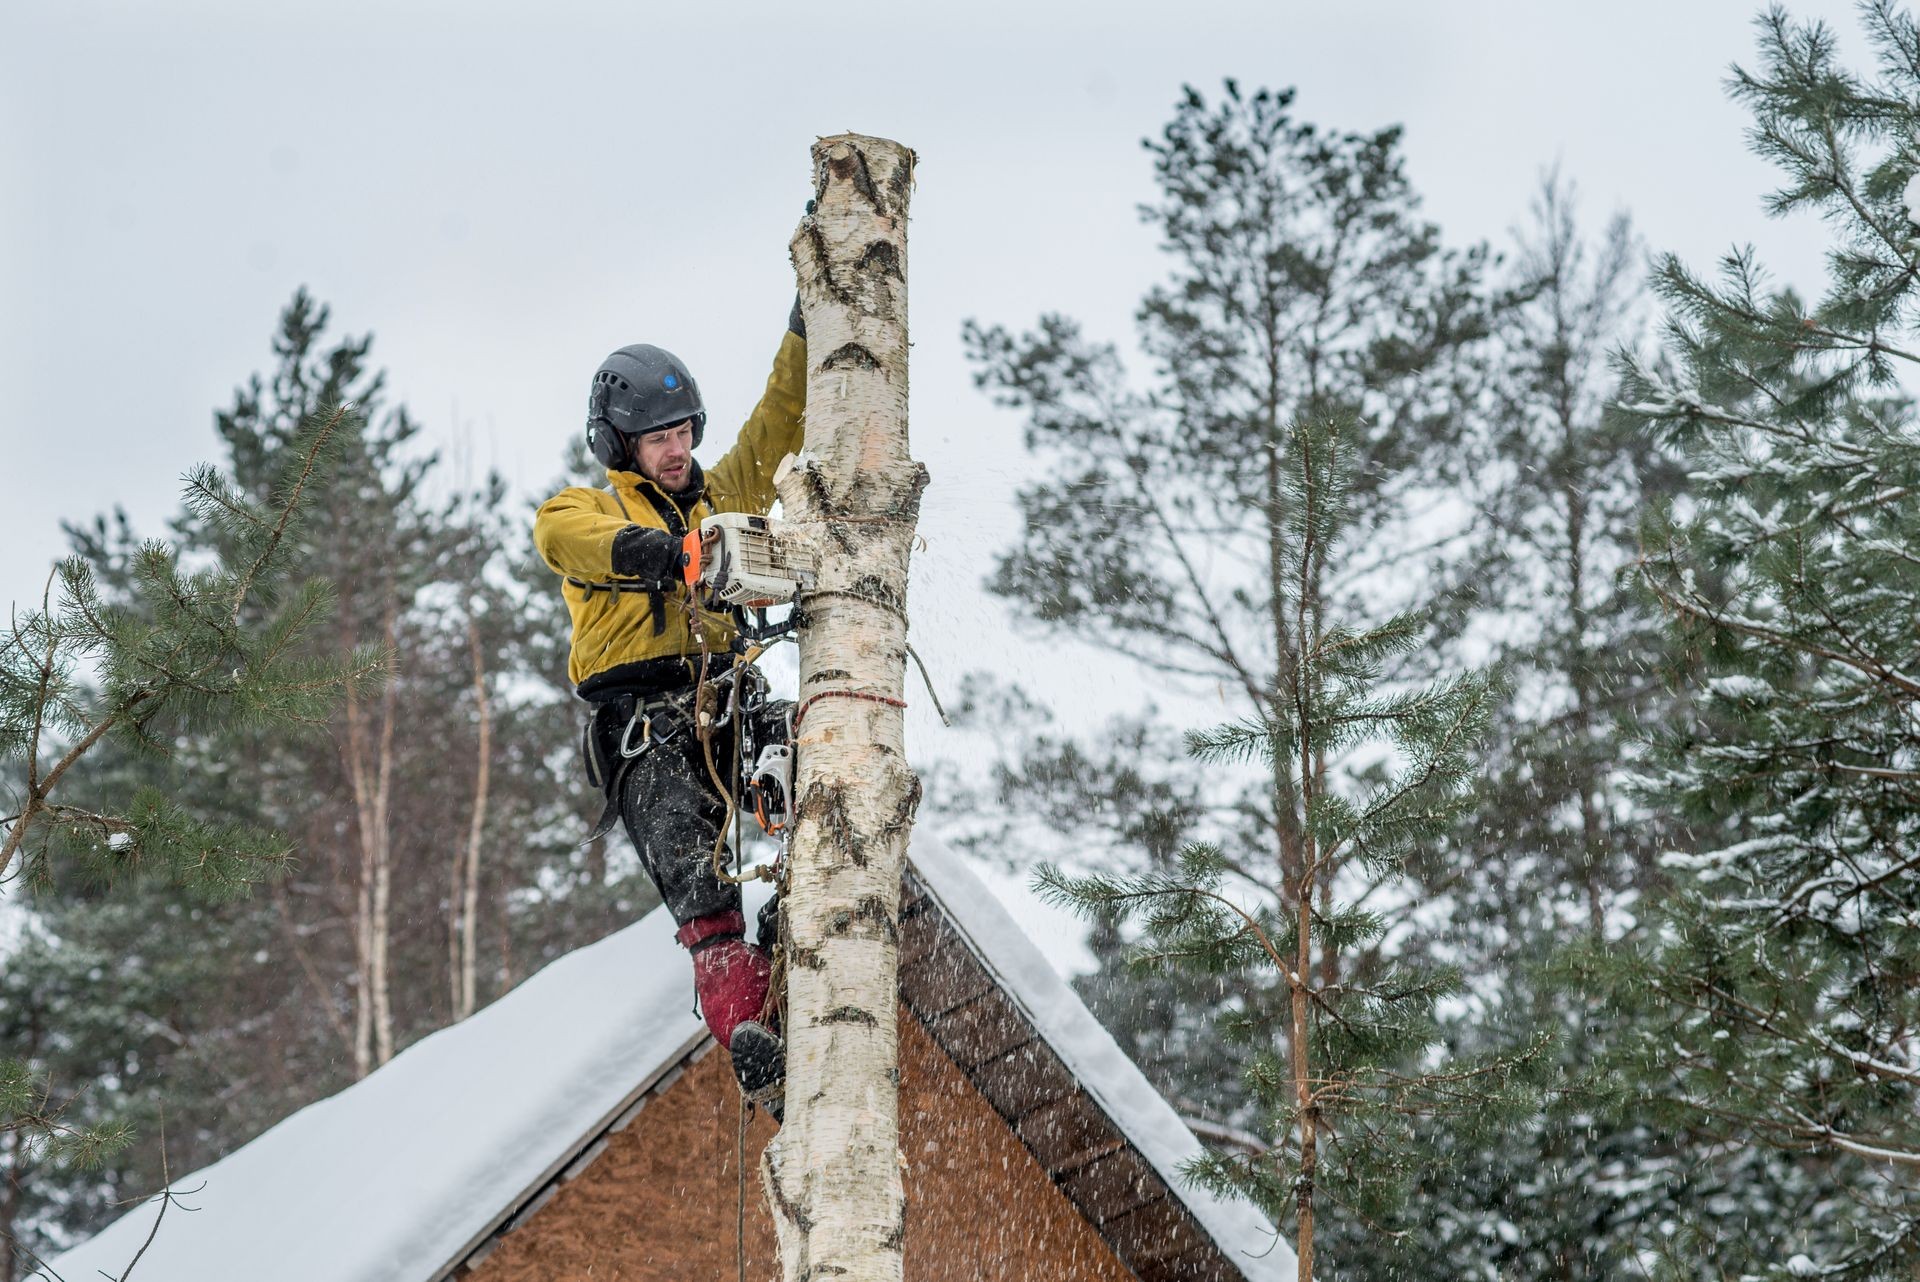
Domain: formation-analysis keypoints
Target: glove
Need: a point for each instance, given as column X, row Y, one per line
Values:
column 795, row 321
column 642, row 552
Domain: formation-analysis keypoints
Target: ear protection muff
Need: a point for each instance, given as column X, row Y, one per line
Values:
column 608, row 443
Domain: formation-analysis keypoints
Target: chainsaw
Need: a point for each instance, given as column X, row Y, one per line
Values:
column 743, row 564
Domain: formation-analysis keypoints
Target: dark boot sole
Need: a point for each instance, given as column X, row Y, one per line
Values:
column 760, row 1065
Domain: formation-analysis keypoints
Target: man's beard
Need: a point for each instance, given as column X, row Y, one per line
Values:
column 690, row 481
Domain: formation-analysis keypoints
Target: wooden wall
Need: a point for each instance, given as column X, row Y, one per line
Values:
column 661, row 1202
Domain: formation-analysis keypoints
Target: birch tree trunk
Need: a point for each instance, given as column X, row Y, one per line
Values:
column 365, row 814
column 370, row 773
column 382, row 929
column 463, row 904
column 833, row 1173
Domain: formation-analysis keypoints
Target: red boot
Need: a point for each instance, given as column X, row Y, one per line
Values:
column 730, row 976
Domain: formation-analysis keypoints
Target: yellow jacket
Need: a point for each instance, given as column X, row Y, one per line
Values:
column 617, row 643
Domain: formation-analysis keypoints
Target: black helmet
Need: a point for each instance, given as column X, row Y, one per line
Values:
column 639, row 389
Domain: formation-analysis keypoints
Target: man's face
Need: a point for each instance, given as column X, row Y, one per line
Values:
column 665, row 457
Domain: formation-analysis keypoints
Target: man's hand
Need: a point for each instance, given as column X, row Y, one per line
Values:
column 642, row 552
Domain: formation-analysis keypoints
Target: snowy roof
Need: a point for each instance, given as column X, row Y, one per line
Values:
column 489, row 1111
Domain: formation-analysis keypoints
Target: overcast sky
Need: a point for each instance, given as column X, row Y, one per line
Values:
column 505, row 192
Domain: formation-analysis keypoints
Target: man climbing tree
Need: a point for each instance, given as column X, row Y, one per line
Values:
column 644, row 648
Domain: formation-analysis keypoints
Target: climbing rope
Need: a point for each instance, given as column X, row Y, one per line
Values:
column 945, row 720
column 703, row 721
column 740, row 1206
column 850, row 595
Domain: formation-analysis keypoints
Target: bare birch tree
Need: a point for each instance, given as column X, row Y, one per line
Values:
column 833, row 1173
column 370, row 773
column 463, row 900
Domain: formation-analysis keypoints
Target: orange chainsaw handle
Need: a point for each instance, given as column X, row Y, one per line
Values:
column 693, row 546
column 690, row 557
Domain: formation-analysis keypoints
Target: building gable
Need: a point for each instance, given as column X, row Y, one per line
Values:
column 662, row 1200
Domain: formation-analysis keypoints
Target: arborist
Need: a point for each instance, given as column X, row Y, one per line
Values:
column 643, row 647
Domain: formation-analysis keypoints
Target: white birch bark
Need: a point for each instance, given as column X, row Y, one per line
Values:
column 370, row 772
column 362, row 977
column 833, row 1172
column 382, row 931
column 365, row 819
column 456, row 896
column 467, row 875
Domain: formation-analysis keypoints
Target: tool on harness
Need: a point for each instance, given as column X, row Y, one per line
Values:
column 760, row 724
column 626, row 726
column 630, row 750
column 770, row 788
column 767, row 759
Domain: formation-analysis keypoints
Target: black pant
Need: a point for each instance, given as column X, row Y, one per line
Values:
column 673, row 813
column 666, row 795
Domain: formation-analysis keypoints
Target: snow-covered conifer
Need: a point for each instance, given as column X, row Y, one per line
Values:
column 1785, row 973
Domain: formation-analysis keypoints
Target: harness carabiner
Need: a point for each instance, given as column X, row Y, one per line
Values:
column 645, row 722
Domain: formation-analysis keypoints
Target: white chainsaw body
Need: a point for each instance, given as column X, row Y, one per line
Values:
column 749, row 562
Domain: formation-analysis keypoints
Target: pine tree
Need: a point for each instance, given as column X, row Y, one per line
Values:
column 1782, row 980
column 259, row 1012
column 377, row 897
column 1305, row 288
column 102, row 680
column 1560, row 486
column 1371, row 772
column 192, row 648
column 375, row 540
column 1560, row 850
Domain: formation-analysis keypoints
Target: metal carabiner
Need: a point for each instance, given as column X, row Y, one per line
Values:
column 645, row 722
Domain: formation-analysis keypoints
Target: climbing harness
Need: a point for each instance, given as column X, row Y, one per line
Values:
column 618, row 732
